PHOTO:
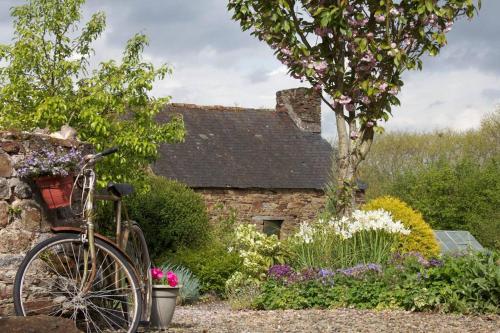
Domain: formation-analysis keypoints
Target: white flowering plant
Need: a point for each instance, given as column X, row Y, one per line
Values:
column 257, row 251
column 363, row 237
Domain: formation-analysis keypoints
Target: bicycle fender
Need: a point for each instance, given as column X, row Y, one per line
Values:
column 76, row 230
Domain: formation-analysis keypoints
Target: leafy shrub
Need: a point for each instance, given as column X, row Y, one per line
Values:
column 170, row 214
column 421, row 238
column 398, row 153
column 460, row 196
column 211, row 263
column 258, row 252
column 189, row 284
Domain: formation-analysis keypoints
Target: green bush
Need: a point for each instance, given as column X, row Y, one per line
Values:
column 464, row 196
column 212, row 264
column 452, row 178
column 397, row 153
column 170, row 214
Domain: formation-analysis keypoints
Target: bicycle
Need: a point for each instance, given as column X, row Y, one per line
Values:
column 102, row 285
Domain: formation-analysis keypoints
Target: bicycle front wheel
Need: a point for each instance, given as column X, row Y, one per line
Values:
column 51, row 281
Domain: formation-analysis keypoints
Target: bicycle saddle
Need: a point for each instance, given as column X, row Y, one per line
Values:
column 120, row 189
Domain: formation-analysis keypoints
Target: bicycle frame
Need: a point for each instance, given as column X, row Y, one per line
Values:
column 88, row 230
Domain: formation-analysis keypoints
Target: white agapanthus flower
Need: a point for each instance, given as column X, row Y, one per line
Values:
column 306, row 232
column 367, row 221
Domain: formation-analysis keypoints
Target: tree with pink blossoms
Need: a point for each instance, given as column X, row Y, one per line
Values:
column 354, row 52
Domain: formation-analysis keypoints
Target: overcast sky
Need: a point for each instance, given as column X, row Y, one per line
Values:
column 216, row 63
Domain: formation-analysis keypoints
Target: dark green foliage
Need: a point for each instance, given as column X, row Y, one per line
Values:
column 464, row 284
column 170, row 214
column 212, row 264
column 452, row 178
column 464, row 196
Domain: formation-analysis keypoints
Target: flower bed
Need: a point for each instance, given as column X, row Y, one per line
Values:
column 467, row 284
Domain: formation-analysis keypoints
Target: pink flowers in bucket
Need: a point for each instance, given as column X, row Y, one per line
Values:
column 160, row 277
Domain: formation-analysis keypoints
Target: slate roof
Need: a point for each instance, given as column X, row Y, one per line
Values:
column 243, row 148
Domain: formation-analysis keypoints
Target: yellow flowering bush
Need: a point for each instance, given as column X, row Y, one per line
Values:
column 421, row 238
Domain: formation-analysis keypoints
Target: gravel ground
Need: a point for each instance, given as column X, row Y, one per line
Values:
column 218, row 317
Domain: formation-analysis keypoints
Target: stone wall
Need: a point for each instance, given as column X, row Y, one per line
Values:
column 293, row 206
column 303, row 105
column 24, row 217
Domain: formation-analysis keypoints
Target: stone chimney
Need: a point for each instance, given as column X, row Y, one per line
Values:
column 303, row 105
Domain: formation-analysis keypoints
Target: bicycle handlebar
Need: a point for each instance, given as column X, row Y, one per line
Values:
column 108, row 151
column 95, row 157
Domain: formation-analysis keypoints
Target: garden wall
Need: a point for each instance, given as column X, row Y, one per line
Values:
column 292, row 205
column 24, row 217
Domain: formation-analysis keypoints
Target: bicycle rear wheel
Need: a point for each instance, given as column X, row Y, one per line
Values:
column 137, row 250
column 50, row 281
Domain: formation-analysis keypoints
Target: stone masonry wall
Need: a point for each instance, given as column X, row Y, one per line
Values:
column 294, row 206
column 24, row 217
column 303, row 105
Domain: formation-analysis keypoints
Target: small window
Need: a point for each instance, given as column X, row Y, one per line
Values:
column 269, row 225
column 272, row 227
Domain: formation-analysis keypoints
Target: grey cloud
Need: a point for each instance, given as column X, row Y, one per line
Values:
column 491, row 94
column 472, row 44
column 435, row 103
column 176, row 26
column 258, row 76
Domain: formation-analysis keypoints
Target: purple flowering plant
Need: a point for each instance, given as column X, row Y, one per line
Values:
column 414, row 259
column 279, row 272
column 45, row 162
column 287, row 275
column 361, row 269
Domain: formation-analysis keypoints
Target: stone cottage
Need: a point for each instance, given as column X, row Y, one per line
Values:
column 269, row 166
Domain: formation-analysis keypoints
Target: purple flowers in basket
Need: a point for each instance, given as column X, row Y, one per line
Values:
column 59, row 162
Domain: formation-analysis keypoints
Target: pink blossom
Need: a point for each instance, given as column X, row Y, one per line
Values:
column 370, row 124
column 172, row 279
column 368, row 57
column 318, row 87
column 357, row 23
column 156, row 273
column 320, row 66
column 344, row 100
column 393, row 91
column 354, row 135
column 448, row 26
column 379, row 18
column 383, row 86
column 322, row 32
column 365, row 100
column 286, row 51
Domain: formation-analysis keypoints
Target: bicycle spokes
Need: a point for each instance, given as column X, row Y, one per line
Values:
column 54, row 285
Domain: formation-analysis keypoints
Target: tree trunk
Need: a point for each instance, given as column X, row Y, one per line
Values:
column 352, row 149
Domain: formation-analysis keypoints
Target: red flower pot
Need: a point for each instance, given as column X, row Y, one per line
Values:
column 56, row 190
